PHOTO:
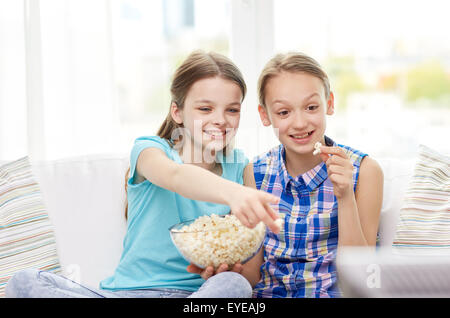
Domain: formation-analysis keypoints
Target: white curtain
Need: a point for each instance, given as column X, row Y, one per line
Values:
column 12, row 81
column 56, row 81
column 62, row 63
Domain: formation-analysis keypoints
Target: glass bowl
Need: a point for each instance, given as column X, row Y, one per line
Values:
column 217, row 239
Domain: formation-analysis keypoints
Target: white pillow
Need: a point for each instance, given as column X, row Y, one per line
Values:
column 85, row 198
column 424, row 221
column 397, row 174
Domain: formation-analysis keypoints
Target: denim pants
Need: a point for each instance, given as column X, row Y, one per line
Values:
column 32, row 283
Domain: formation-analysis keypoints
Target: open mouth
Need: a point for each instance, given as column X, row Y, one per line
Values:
column 302, row 136
column 215, row 134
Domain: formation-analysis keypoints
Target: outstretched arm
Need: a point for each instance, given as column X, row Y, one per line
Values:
column 249, row 205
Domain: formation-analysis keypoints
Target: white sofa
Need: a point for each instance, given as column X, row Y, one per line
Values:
column 85, row 199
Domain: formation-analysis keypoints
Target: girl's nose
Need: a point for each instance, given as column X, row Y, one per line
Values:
column 299, row 120
column 219, row 118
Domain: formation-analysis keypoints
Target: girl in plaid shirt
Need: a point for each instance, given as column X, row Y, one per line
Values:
column 327, row 201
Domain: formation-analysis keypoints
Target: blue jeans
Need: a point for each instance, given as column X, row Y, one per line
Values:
column 32, row 283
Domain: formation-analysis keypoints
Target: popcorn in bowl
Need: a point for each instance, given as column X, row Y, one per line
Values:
column 214, row 240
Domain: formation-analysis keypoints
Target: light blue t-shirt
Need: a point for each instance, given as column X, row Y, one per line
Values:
column 149, row 258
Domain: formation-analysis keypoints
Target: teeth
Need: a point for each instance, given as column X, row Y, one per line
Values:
column 214, row 133
column 303, row 136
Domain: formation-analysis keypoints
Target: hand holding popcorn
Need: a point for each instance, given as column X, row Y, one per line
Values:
column 340, row 170
column 209, row 271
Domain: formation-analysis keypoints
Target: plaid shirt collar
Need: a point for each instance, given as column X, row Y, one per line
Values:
column 311, row 179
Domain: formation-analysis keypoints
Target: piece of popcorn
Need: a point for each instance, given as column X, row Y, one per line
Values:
column 317, row 146
column 279, row 222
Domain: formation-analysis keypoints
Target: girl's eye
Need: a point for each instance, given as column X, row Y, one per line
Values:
column 312, row 107
column 204, row 109
column 234, row 110
column 283, row 113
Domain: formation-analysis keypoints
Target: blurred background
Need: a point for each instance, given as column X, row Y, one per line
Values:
column 82, row 77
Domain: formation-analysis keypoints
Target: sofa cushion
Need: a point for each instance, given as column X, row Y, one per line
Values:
column 85, row 198
column 424, row 222
column 397, row 174
column 26, row 235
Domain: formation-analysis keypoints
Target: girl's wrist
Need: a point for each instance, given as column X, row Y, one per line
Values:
column 229, row 192
column 348, row 197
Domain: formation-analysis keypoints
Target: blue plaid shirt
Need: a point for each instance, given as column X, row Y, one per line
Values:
column 299, row 261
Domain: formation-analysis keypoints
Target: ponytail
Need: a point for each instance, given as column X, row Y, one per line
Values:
column 167, row 127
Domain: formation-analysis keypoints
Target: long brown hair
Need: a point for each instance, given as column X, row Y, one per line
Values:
column 198, row 65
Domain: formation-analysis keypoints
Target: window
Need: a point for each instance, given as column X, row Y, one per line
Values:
column 389, row 67
column 80, row 77
column 13, row 112
column 90, row 76
column 150, row 39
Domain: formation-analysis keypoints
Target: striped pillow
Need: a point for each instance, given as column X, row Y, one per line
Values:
column 424, row 223
column 26, row 235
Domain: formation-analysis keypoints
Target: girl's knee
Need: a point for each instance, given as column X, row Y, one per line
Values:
column 235, row 282
column 18, row 285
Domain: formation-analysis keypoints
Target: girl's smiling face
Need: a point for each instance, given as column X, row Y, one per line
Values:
column 296, row 106
column 211, row 113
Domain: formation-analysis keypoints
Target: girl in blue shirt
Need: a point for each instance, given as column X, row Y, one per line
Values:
column 189, row 169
